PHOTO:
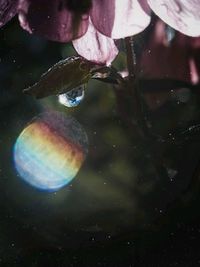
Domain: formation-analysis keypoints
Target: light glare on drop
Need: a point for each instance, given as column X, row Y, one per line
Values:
column 73, row 97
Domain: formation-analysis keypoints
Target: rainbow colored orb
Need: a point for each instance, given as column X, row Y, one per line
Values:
column 50, row 151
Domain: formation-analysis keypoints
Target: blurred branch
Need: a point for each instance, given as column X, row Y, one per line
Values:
column 133, row 87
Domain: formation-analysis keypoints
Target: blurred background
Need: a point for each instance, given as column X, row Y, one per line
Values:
column 135, row 200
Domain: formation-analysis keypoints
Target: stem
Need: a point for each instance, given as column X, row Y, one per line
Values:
column 133, row 86
column 133, row 82
column 131, row 58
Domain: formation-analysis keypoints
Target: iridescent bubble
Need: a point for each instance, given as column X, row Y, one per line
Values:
column 50, row 151
column 73, row 97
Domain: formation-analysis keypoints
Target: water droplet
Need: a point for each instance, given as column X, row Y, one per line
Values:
column 73, row 97
column 170, row 34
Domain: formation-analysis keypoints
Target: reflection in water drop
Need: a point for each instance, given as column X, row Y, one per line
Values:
column 50, row 151
column 170, row 33
column 73, row 97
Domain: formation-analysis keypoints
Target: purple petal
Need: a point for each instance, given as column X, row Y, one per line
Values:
column 52, row 20
column 184, row 16
column 175, row 60
column 195, row 60
column 8, row 9
column 96, row 47
column 119, row 19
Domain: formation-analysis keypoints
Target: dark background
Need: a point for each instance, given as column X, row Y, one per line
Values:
column 135, row 201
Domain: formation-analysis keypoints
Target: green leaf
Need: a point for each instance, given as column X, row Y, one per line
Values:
column 62, row 77
column 71, row 73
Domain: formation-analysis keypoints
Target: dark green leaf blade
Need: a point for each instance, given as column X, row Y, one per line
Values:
column 62, row 77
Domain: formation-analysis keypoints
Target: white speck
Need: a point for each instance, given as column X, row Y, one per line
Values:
column 171, row 173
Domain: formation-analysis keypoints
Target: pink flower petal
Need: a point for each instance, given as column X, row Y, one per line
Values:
column 184, row 16
column 96, row 47
column 161, row 60
column 51, row 19
column 8, row 9
column 195, row 60
column 120, row 18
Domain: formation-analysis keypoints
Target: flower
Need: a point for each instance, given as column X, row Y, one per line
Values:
column 176, row 59
column 8, row 9
column 170, row 65
column 93, row 25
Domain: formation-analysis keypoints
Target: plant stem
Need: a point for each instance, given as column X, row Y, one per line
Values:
column 131, row 57
column 133, row 83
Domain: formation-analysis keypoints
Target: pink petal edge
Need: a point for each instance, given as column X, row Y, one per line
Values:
column 96, row 47
column 184, row 16
column 119, row 19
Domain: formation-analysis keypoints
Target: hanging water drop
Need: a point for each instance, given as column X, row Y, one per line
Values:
column 170, row 34
column 73, row 97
